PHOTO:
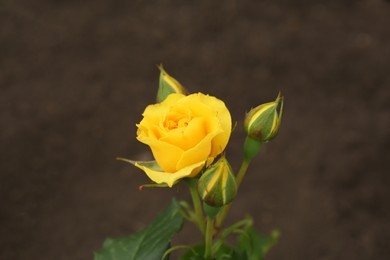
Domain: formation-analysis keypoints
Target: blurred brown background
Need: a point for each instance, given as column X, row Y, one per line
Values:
column 75, row 77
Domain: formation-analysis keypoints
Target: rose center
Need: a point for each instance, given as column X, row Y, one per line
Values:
column 177, row 119
column 173, row 124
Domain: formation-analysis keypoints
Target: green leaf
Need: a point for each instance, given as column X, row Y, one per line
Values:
column 224, row 252
column 149, row 243
column 195, row 253
column 256, row 245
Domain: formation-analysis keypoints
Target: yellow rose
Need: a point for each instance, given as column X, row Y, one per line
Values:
column 184, row 133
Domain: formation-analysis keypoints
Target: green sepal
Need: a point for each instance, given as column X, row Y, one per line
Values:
column 149, row 243
column 168, row 85
column 149, row 164
column 217, row 186
column 153, row 185
column 275, row 130
column 261, row 123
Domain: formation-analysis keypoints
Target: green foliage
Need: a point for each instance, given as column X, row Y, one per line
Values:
column 197, row 253
column 149, row 243
column 255, row 245
column 251, row 246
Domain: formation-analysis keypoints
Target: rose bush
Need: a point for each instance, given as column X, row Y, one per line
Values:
column 184, row 133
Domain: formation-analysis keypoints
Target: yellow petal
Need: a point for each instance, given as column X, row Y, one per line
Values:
column 187, row 137
column 173, row 98
column 171, row 178
column 185, row 130
column 165, row 154
column 221, row 112
column 201, row 152
column 155, row 113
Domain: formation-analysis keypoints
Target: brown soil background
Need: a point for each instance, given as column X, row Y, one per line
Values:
column 75, row 77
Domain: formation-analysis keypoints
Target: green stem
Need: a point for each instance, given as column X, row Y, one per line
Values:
column 197, row 206
column 208, row 239
column 241, row 173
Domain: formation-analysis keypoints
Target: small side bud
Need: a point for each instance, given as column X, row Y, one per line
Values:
column 168, row 85
column 217, row 186
column 262, row 123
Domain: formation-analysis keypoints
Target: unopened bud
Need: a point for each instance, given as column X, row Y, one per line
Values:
column 217, row 186
column 262, row 122
column 168, row 85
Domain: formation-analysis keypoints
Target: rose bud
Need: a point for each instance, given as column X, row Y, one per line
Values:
column 217, row 186
column 262, row 122
column 168, row 85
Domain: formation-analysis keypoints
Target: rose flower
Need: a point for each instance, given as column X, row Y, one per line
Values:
column 184, row 133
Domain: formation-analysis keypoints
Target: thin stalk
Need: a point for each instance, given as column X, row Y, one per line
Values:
column 208, row 239
column 241, row 172
column 197, row 207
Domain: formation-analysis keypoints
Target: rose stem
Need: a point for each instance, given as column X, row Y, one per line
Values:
column 197, row 205
column 208, row 238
